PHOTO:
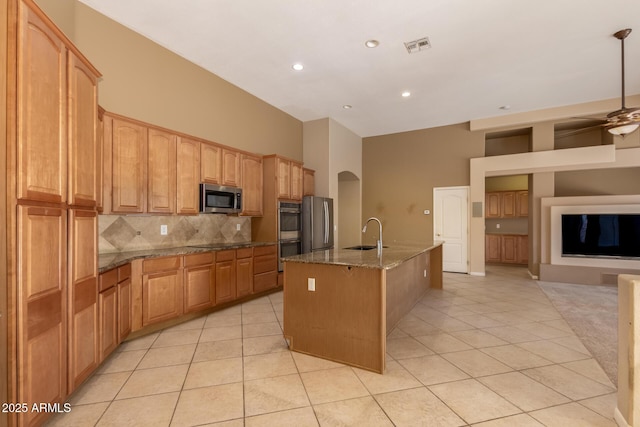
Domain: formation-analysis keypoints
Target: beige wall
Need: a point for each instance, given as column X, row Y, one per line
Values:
column 507, row 183
column 400, row 171
column 145, row 81
column 598, row 182
column 316, row 152
column 349, row 226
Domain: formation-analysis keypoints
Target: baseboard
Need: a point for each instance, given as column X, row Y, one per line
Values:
column 477, row 273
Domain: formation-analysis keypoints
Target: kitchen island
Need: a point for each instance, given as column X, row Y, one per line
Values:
column 340, row 304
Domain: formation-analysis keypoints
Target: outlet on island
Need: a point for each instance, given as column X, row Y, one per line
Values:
column 311, row 284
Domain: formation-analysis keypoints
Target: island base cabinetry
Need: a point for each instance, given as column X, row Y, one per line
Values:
column 342, row 320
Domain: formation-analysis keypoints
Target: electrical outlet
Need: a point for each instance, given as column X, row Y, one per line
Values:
column 497, row 225
column 238, row 227
column 311, row 284
column 425, row 273
column 163, row 230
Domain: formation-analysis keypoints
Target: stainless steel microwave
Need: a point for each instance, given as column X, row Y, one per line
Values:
column 220, row 199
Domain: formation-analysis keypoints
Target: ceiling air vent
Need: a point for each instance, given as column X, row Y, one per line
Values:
column 417, row 45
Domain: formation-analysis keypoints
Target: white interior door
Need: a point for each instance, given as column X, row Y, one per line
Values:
column 451, row 224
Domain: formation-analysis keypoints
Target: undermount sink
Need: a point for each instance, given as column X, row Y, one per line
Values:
column 363, row 247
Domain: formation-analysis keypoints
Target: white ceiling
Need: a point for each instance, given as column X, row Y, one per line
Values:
column 485, row 54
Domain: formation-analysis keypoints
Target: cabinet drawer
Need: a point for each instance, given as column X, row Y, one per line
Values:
column 124, row 272
column 265, row 263
column 108, row 280
column 264, row 281
column 244, row 253
column 203, row 258
column 229, row 255
column 160, row 264
column 264, row 250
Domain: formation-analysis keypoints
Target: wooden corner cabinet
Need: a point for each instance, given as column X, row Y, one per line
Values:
column 308, row 182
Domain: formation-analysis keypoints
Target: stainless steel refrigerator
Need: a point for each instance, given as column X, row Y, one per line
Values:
column 317, row 224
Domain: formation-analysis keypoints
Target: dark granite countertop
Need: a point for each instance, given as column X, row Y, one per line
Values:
column 392, row 256
column 107, row 261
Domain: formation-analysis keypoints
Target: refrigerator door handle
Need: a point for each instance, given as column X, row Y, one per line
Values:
column 326, row 222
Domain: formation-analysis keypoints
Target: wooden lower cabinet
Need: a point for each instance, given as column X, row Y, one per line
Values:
column 41, row 308
column 265, row 268
column 124, row 309
column 161, row 289
column 83, row 328
column 507, row 248
column 244, row 272
column 199, row 281
column 225, row 276
column 108, row 309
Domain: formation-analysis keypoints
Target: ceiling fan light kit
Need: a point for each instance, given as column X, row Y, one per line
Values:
column 625, row 120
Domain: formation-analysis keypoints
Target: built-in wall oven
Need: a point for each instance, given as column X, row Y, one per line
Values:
column 289, row 230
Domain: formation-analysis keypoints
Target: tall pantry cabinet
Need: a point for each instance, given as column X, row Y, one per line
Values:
column 53, row 189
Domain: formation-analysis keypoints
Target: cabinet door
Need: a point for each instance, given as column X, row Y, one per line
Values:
column 296, row 181
column 492, row 248
column 523, row 249
column 283, row 178
column 41, row 307
column 230, row 168
column 188, row 176
column 83, row 296
column 161, row 181
column 42, row 112
column 211, row 163
column 108, row 308
column 199, row 285
column 251, row 185
column 493, row 205
column 129, row 169
column 508, row 204
column 225, row 276
column 522, row 203
column 244, row 277
column 161, row 296
column 308, row 182
column 509, row 249
column 84, row 157
column 124, row 309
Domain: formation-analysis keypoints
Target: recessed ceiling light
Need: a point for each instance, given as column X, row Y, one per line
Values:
column 371, row 43
column 347, row 106
column 297, row 67
column 406, row 94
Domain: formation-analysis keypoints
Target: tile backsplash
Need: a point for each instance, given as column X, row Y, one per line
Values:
column 122, row 233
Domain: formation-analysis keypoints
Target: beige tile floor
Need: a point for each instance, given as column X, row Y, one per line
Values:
column 487, row 351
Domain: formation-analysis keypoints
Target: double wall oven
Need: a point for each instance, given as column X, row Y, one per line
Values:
column 289, row 230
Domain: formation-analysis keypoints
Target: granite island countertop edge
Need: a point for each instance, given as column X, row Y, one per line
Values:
column 392, row 256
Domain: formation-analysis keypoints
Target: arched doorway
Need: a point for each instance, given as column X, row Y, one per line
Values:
column 349, row 210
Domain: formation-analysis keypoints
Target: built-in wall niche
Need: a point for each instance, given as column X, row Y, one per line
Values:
column 609, row 235
column 580, row 133
column 507, row 142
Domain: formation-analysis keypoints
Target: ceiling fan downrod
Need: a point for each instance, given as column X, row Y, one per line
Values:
column 621, row 35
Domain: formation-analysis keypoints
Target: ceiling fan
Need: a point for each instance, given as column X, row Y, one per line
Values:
column 625, row 120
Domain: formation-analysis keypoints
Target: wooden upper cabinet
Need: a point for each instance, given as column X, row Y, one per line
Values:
column 508, row 204
column 231, row 174
column 42, row 111
column 251, row 185
column 188, row 176
column 522, row 203
column 129, row 168
column 161, row 182
column 493, row 205
column 296, row 181
column 210, row 163
column 283, row 178
column 84, row 147
column 308, row 182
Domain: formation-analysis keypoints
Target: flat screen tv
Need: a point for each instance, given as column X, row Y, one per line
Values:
column 601, row 235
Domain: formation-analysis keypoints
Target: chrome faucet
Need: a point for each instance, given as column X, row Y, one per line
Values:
column 379, row 242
